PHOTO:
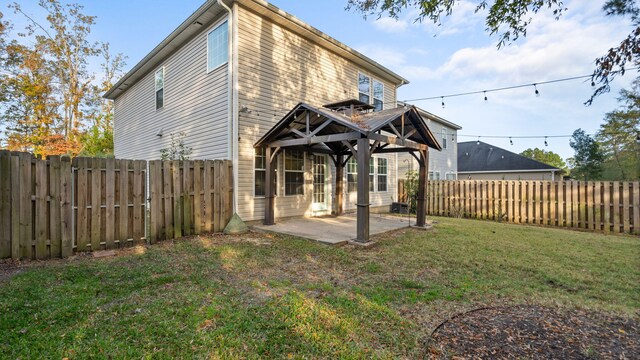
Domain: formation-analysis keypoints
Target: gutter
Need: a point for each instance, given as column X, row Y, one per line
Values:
column 233, row 128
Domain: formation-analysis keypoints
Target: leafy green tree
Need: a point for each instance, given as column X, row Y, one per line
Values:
column 588, row 158
column 547, row 157
column 509, row 19
column 618, row 137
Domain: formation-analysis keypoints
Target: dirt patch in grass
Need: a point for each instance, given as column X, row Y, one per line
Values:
column 8, row 268
column 526, row 331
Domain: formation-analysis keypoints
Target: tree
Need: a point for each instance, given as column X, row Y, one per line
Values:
column 51, row 102
column 618, row 137
column 98, row 139
column 66, row 40
column 510, row 20
column 547, row 157
column 588, row 158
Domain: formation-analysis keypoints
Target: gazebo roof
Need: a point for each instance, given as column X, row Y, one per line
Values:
column 324, row 130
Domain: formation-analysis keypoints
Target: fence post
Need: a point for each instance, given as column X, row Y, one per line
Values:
column 66, row 207
column 5, row 204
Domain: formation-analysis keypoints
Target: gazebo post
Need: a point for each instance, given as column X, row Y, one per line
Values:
column 363, row 157
column 269, row 188
column 339, row 184
column 421, row 210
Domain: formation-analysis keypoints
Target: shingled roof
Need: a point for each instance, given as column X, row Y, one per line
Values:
column 479, row 156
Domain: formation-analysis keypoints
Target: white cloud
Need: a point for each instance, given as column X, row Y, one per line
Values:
column 390, row 25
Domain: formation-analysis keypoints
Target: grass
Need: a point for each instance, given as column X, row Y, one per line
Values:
column 259, row 296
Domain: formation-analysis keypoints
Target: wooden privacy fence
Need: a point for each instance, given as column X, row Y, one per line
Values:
column 603, row 206
column 51, row 208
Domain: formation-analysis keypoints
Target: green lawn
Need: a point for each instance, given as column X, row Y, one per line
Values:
column 259, row 296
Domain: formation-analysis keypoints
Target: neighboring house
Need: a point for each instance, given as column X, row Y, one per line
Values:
column 226, row 76
column 481, row 161
column 442, row 164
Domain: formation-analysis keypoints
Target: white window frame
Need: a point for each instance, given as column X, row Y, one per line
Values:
column 155, row 83
column 224, row 22
column 444, row 138
column 372, row 174
column 373, row 94
column 453, row 176
column 385, row 175
column 264, row 171
column 304, row 164
column 352, row 163
column 368, row 93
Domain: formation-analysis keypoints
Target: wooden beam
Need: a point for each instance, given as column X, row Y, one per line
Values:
column 421, row 204
column 322, row 126
column 363, row 158
column 297, row 132
column 339, row 184
column 381, row 150
column 395, row 131
column 269, row 203
column 317, row 139
column 348, row 144
column 396, row 141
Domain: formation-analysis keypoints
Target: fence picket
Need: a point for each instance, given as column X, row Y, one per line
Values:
column 41, row 210
column 110, row 200
column 5, row 204
column 16, row 187
column 636, row 208
column 54, row 206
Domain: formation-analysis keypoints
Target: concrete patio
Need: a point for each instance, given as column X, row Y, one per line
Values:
column 334, row 230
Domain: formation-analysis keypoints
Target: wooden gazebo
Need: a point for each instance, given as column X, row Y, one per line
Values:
column 344, row 130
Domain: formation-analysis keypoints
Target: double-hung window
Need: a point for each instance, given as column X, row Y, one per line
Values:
column 260, row 174
column 371, row 91
column 372, row 174
column 444, row 138
column 382, row 174
column 294, row 172
column 364, row 88
column 352, row 175
column 159, row 88
column 217, row 46
column 378, row 95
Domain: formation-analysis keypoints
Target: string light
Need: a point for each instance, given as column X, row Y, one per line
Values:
column 478, row 142
column 590, row 76
column 442, row 98
column 518, row 137
column 485, row 96
column 510, row 141
column 537, row 92
column 545, row 141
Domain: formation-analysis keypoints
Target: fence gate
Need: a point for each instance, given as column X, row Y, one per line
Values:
column 53, row 207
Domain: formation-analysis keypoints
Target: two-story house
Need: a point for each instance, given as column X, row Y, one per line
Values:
column 443, row 165
column 226, row 76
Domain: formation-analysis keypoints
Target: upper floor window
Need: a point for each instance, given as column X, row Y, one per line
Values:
column 371, row 91
column 378, row 95
column 159, row 88
column 444, row 138
column 364, row 88
column 217, row 46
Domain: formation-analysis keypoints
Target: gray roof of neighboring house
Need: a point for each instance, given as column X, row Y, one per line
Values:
column 425, row 114
column 208, row 11
column 479, row 156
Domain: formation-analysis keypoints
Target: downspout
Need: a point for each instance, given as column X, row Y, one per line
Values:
column 233, row 128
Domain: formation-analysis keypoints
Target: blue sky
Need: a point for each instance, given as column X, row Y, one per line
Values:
column 458, row 56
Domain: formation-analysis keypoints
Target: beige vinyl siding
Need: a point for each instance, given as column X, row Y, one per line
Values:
column 194, row 102
column 276, row 70
column 444, row 162
column 534, row 175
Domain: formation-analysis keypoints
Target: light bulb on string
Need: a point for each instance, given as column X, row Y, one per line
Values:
column 442, row 98
column 478, row 142
column 545, row 141
column 536, row 92
column 510, row 141
column 485, row 96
